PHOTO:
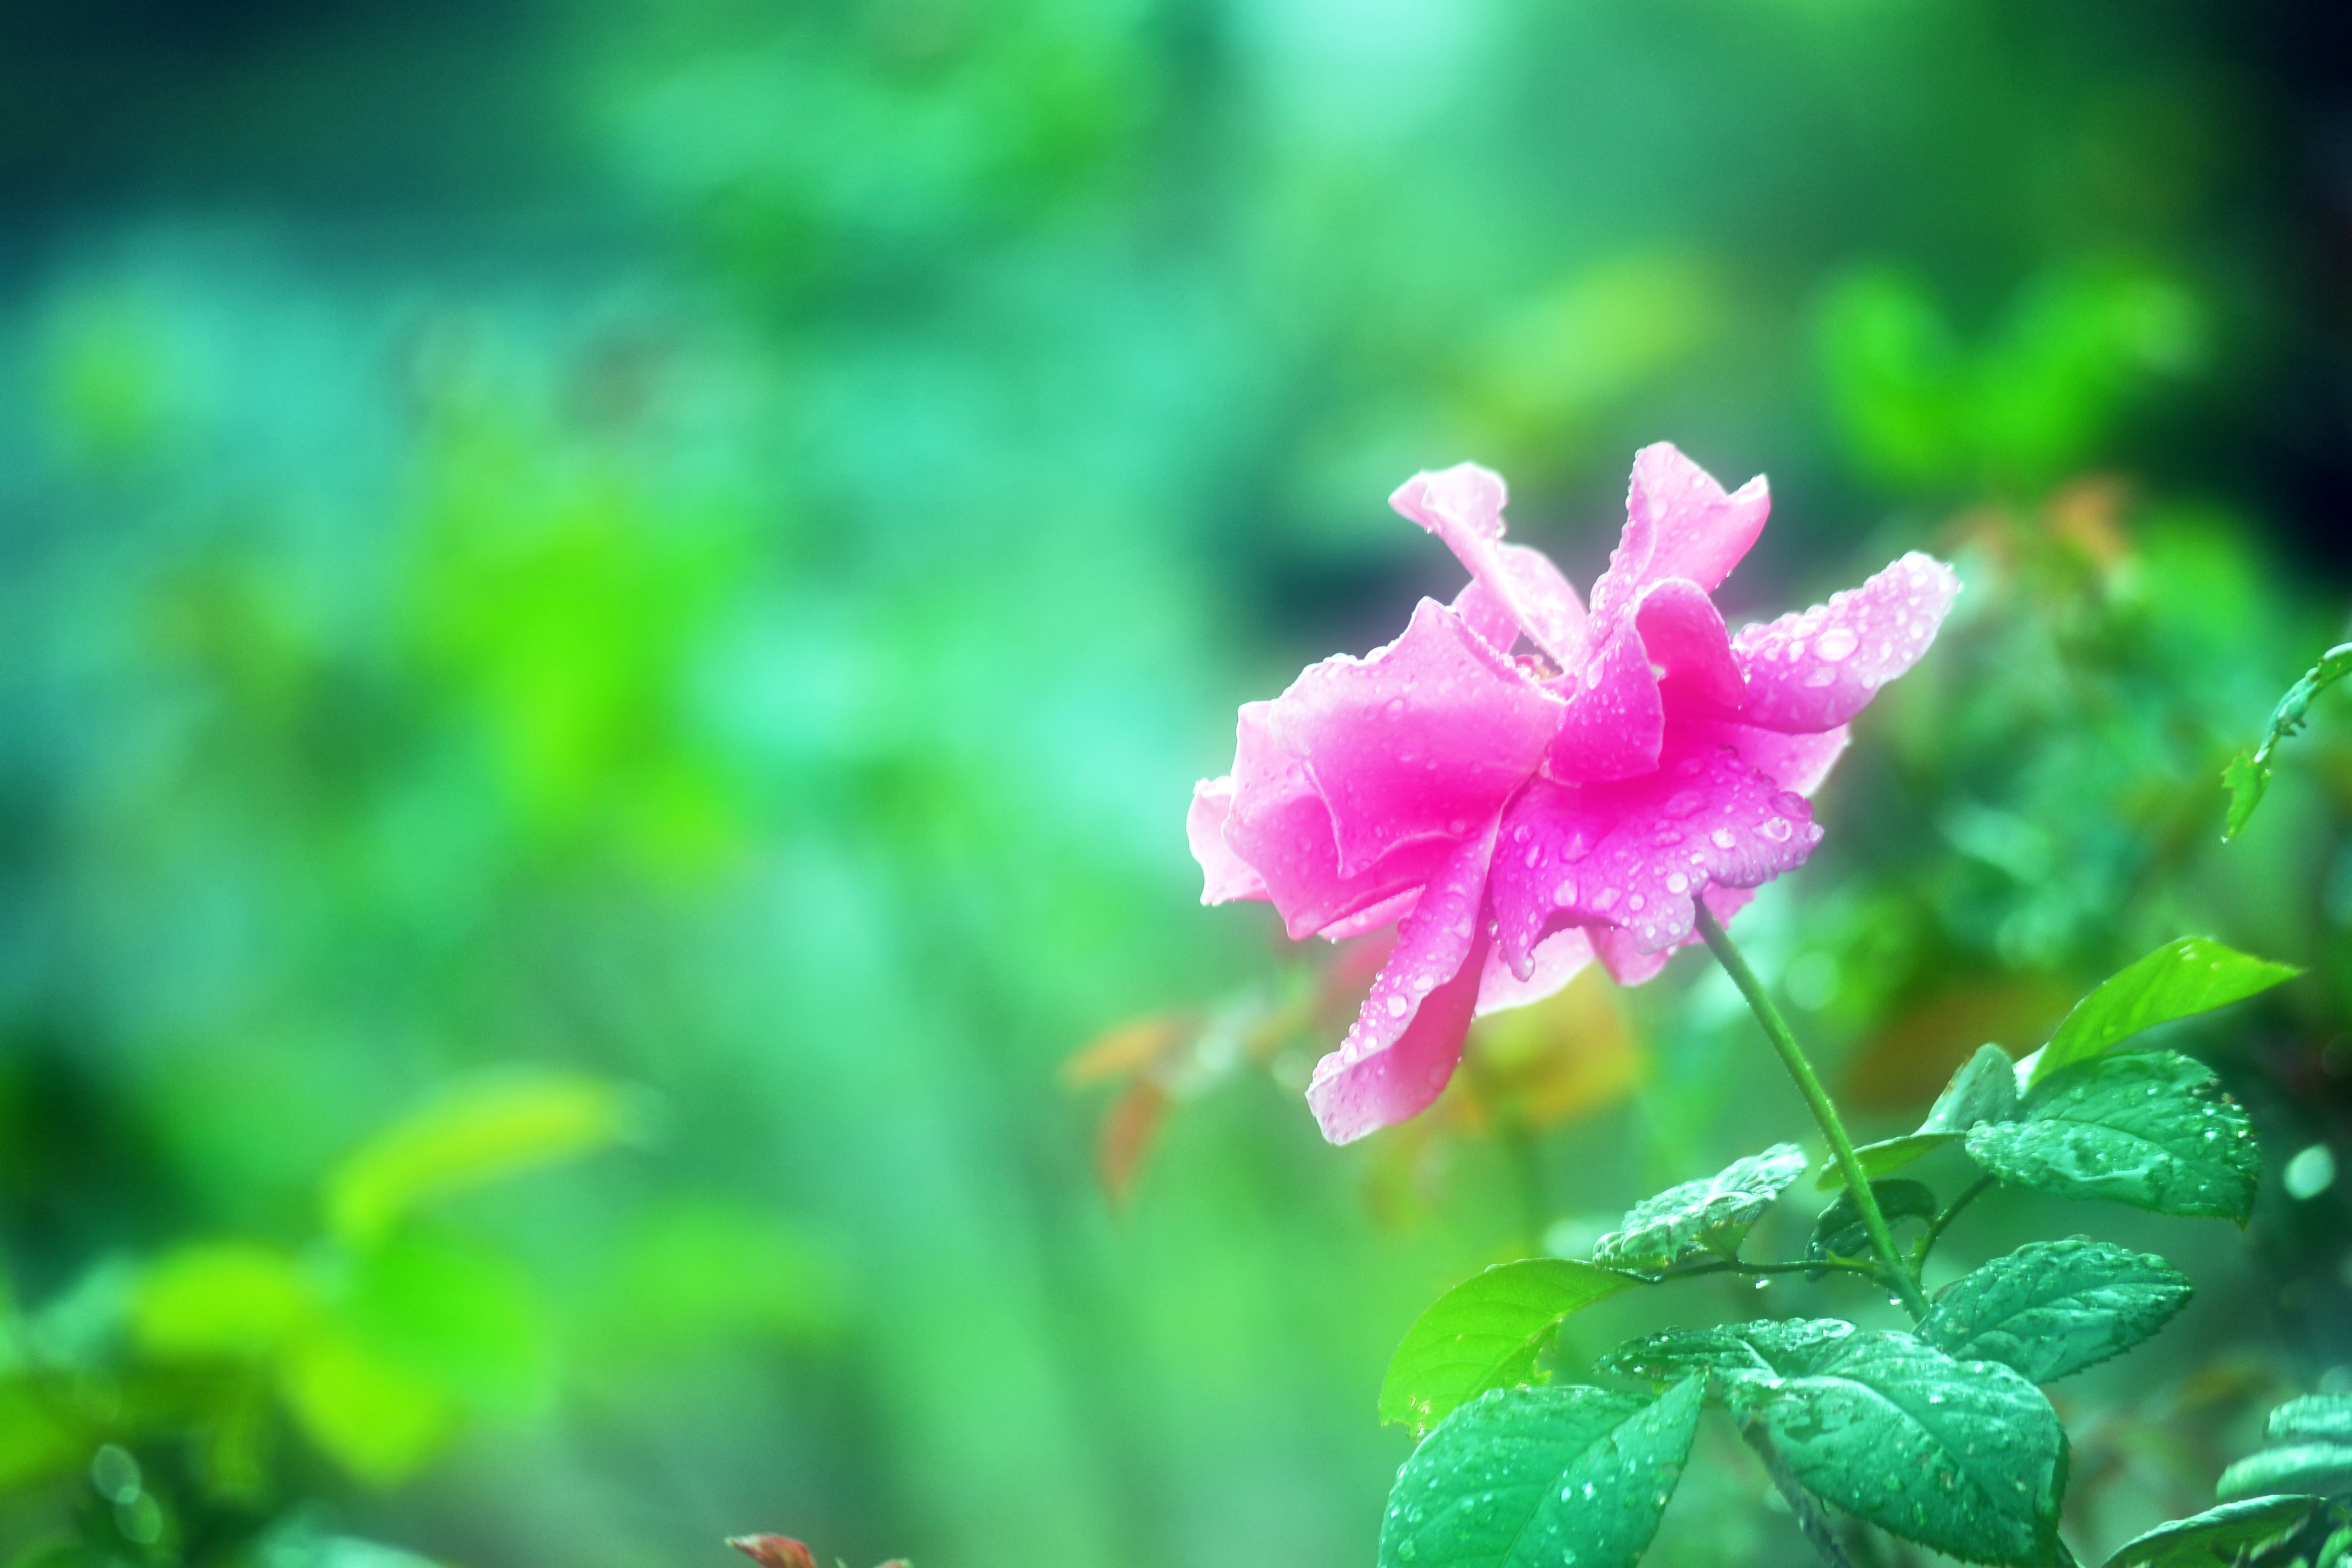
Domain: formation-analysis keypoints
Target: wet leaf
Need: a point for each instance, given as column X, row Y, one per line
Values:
column 1768, row 1347
column 1984, row 1090
column 2052, row 1308
column 2315, row 1417
column 2144, row 1128
column 2194, row 975
column 1963, row 1456
column 1713, row 1213
column 2321, row 1469
column 2248, row 775
column 1888, row 1154
column 1481, row 1332
column 1840, row 1231
column 1523, row 1477
column 2215, row 1537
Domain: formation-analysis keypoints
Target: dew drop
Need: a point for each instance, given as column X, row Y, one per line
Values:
column 1777, row 829
column 1722, row 838
column 1399, row 1007
column 1835, row 644
column 1565, row 894
column 1678, row 883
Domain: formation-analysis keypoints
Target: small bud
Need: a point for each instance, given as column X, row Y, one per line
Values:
column 773, row 1550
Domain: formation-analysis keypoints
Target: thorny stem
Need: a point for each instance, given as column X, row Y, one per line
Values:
column 1951, row 1212
column 1817, row 1099
column 1810, row 1516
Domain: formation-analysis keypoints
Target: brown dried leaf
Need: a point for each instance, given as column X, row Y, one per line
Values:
column 1130, row 1128
column 773, row 1550
column 1126, row 1049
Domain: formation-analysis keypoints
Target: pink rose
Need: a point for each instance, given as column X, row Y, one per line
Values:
column 1525, row 784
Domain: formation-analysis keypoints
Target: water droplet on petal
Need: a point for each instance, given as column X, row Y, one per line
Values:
column 1835, row 644
column 1399, row 1007
column 1565, row 894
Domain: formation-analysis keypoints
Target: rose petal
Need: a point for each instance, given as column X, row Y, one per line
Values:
column 1684, row 635
column 1363, row 922
column 1816, row 669
column 1678, row 523
column 1615, row 719
column 1629, row 966
column 1227, row 877
column 1280, row 828
column 1797, row 762
column 1422, row 740
column 1635, row 854
column 1463, row 505
column 1407, row 1040
column 1559, row 959
column 1484, row 614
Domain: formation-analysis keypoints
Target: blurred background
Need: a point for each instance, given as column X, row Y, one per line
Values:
column 607, row 612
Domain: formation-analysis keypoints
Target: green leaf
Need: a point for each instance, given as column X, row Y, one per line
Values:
column 2144, row 1128
column 473, row 1134
column 1768, row 1347
column 2247, row 781
column 219, row 1301
column 1984, row 1090
column 2323, row 1469
column 2314, row 1418
column 375, row 1416
column 1839, row 1233
column 2052, row 1308
column 2215, row 1537
column 2194, row 975
column 1889, row 1154
column 1713, row 1213
column 1485, row 1331
column 1534, row 1477
column 2247, row 776
column 1965, row 1458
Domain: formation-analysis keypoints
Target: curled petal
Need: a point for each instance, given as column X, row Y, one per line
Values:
column 1227, row 877
column 1487, row 615
column 1816, row 669
column 1559, row 959
column 1365, row 921
column 1463, row 505
column 1615, row 719
column 1634, row 855
column 1684, row 636
column 1421, row 740
column 1629, row 966
column 1678, row 523
column 1280, row 828
column 1407, row 1040
column 1795, row 763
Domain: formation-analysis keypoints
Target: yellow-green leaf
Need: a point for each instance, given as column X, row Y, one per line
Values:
column 468, row 1136
column 376, row 1417
column 2194, row 975
column 1484, row 1329
column 219, row 1301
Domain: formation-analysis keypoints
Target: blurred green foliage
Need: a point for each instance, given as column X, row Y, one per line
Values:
column 699, row 548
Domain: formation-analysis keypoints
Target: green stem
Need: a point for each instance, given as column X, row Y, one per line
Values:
column 1739, row 1265
column 1975, row 1190
column 1817, row 1100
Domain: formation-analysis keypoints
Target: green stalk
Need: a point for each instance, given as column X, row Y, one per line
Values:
column 1817, row 1099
